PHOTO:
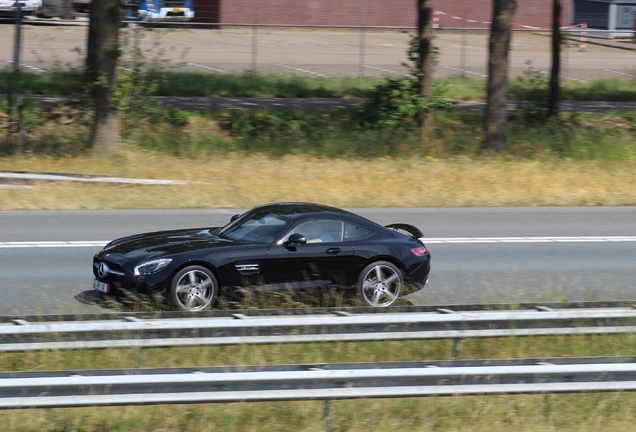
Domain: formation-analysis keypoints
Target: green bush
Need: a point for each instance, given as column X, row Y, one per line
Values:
column 28, row 111
column 532, row 92
column 396, row 103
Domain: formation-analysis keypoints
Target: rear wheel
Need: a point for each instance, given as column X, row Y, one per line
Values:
column 194, row 288
column 380, row 283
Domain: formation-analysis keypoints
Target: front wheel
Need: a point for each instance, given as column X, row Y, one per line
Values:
column 380, row 283
column 194, row 288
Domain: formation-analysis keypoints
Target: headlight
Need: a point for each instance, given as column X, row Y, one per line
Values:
column 150, row 267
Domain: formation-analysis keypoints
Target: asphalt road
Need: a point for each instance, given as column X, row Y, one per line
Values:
column 479, row 255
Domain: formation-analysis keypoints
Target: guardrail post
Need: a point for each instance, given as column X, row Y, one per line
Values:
column 327, row 415
column 141, row 358
column 457, row 348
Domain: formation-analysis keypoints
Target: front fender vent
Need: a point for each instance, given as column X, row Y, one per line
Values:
column 248, row 269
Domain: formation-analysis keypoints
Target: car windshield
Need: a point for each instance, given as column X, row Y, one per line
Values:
column 255, row 227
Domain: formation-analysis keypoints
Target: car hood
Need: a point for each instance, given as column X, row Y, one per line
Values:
column 161, row 243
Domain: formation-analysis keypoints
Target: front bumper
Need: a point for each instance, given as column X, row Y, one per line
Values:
column 123, row 281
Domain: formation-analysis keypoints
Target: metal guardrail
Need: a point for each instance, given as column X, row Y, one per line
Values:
column 320, row 381
column 336, row 325
column 269, row 312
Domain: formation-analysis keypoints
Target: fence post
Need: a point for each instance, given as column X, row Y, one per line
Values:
column 136, row 50
column 17, row 48
column 583, row 42
column 68, row 13
column 255, row 42
column 363, row 41
column 462, row 61
column 436, row 21
column 18, row 38
column 566, row 70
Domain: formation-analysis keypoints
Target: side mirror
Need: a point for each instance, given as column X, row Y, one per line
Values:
column 294, row 240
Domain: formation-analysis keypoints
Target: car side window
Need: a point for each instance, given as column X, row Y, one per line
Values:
column 321, row 231
column 356, row 232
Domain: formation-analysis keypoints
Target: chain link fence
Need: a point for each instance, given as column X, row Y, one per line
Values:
column 320, row 51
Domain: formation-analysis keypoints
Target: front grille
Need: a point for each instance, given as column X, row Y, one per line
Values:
column 113, row 268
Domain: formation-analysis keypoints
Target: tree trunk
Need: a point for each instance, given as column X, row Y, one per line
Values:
column 555, row 90
column 425, row 35
column 101, row 71
column 498, row 47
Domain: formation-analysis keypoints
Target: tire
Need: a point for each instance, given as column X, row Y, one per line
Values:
column 380, row 284
column 193, row 288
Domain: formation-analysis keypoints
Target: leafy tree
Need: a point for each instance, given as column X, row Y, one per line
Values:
column 498, row 47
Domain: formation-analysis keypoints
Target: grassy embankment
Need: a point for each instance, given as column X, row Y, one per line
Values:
column 245, row 159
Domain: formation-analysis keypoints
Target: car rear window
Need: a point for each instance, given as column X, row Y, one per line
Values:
column 356, row 232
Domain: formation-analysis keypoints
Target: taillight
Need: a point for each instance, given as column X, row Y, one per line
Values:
column 419, row 251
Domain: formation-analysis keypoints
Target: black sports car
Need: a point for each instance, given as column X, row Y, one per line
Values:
column 280, row 245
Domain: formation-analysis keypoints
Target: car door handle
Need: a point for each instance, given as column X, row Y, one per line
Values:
column 333, row 251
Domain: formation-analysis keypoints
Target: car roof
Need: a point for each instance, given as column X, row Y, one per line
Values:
column 294, row 210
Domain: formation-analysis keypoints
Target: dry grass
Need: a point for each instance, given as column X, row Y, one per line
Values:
column 239, row 181
column 584, row 412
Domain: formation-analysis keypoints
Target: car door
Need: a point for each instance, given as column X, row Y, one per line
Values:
column 324, row 260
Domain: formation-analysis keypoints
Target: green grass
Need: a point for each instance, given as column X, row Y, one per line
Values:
column 263, row 85
column 336, row 134
column 172, row 83
column 197, row 84
column 333, row 352
column 608, row 89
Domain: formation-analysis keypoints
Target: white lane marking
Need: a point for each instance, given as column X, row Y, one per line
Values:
column 303, row 70
column 485, row 76
column 449, row 240
column 207, row 67
column 618, row 73
column 583, row 239
column 29, row 66
column 465, row 71
column 53, row 244
column 388, row 71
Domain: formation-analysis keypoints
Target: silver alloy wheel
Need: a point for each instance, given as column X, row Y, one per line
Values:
column 195, row 290
column 381, row 284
